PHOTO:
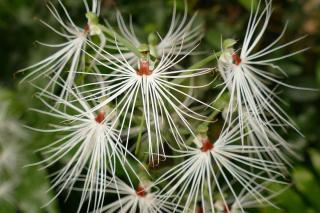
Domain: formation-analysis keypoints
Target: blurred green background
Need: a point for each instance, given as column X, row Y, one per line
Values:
column 24, row 189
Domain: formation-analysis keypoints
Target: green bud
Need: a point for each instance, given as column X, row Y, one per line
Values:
column 92, row 18
column 144, row 48
column 93, row 22
column 203, row 128
column 228, row 43
column 153, row 39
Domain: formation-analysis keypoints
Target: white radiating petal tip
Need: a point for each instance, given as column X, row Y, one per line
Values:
column 66, row 61
column 141, row 198
column 197, row 175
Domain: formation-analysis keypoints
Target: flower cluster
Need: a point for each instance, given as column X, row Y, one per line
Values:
column 133, row 122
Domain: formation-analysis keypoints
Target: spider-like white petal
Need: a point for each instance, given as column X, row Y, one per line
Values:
column 156, row 89
column 90, row 141
column 95, row 6
column 267, row 136
column 144, row 198
column 246, row 201
column 181, row 31
column 246, row 77
column 68, row 59
column 209, row 168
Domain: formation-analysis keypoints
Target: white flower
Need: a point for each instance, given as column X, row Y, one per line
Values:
column 69, row 57
column 10, row 129
column 182, row 32
column 210, row 171
column 7, row 191
column 246, row 75
column 10, row 158
column 143, row 198
column 156, row 87
column 89, row 140
column 11, row 133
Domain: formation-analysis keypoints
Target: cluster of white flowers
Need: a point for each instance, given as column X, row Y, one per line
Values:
column 113, row 96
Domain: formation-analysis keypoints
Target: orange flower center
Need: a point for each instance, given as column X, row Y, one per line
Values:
column 86, row 28
column 206, row 146
column 236, row 59
column 144, row 68
column 100, row 117
column 140, row 191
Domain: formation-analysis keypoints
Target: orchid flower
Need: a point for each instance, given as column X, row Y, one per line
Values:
column 155, row 86
column 246, row 76
column 182, row 32
column 69, row 57
column 90, row 141
column 209, row 167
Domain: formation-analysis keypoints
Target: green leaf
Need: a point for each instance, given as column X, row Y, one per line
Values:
column 315, row 158
column 229, row 43
column 287, row 201
column 7, row 207
column 247, row 3
column 31, row 194
column 292, row 69
column 307, row 185
column 318, row 72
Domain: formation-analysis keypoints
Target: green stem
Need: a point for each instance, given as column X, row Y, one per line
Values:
column 213, row 115
column 198, row 65
column 122, row 40
column 205, row 61
column 139, row 137
column 203, row 128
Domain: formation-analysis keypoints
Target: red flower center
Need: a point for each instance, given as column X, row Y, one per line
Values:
column 206, row 146
column 100, row 117
column 227, row 208
column 236, row 59
column 140, row 191
column 86, row 28
column 144, row 68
